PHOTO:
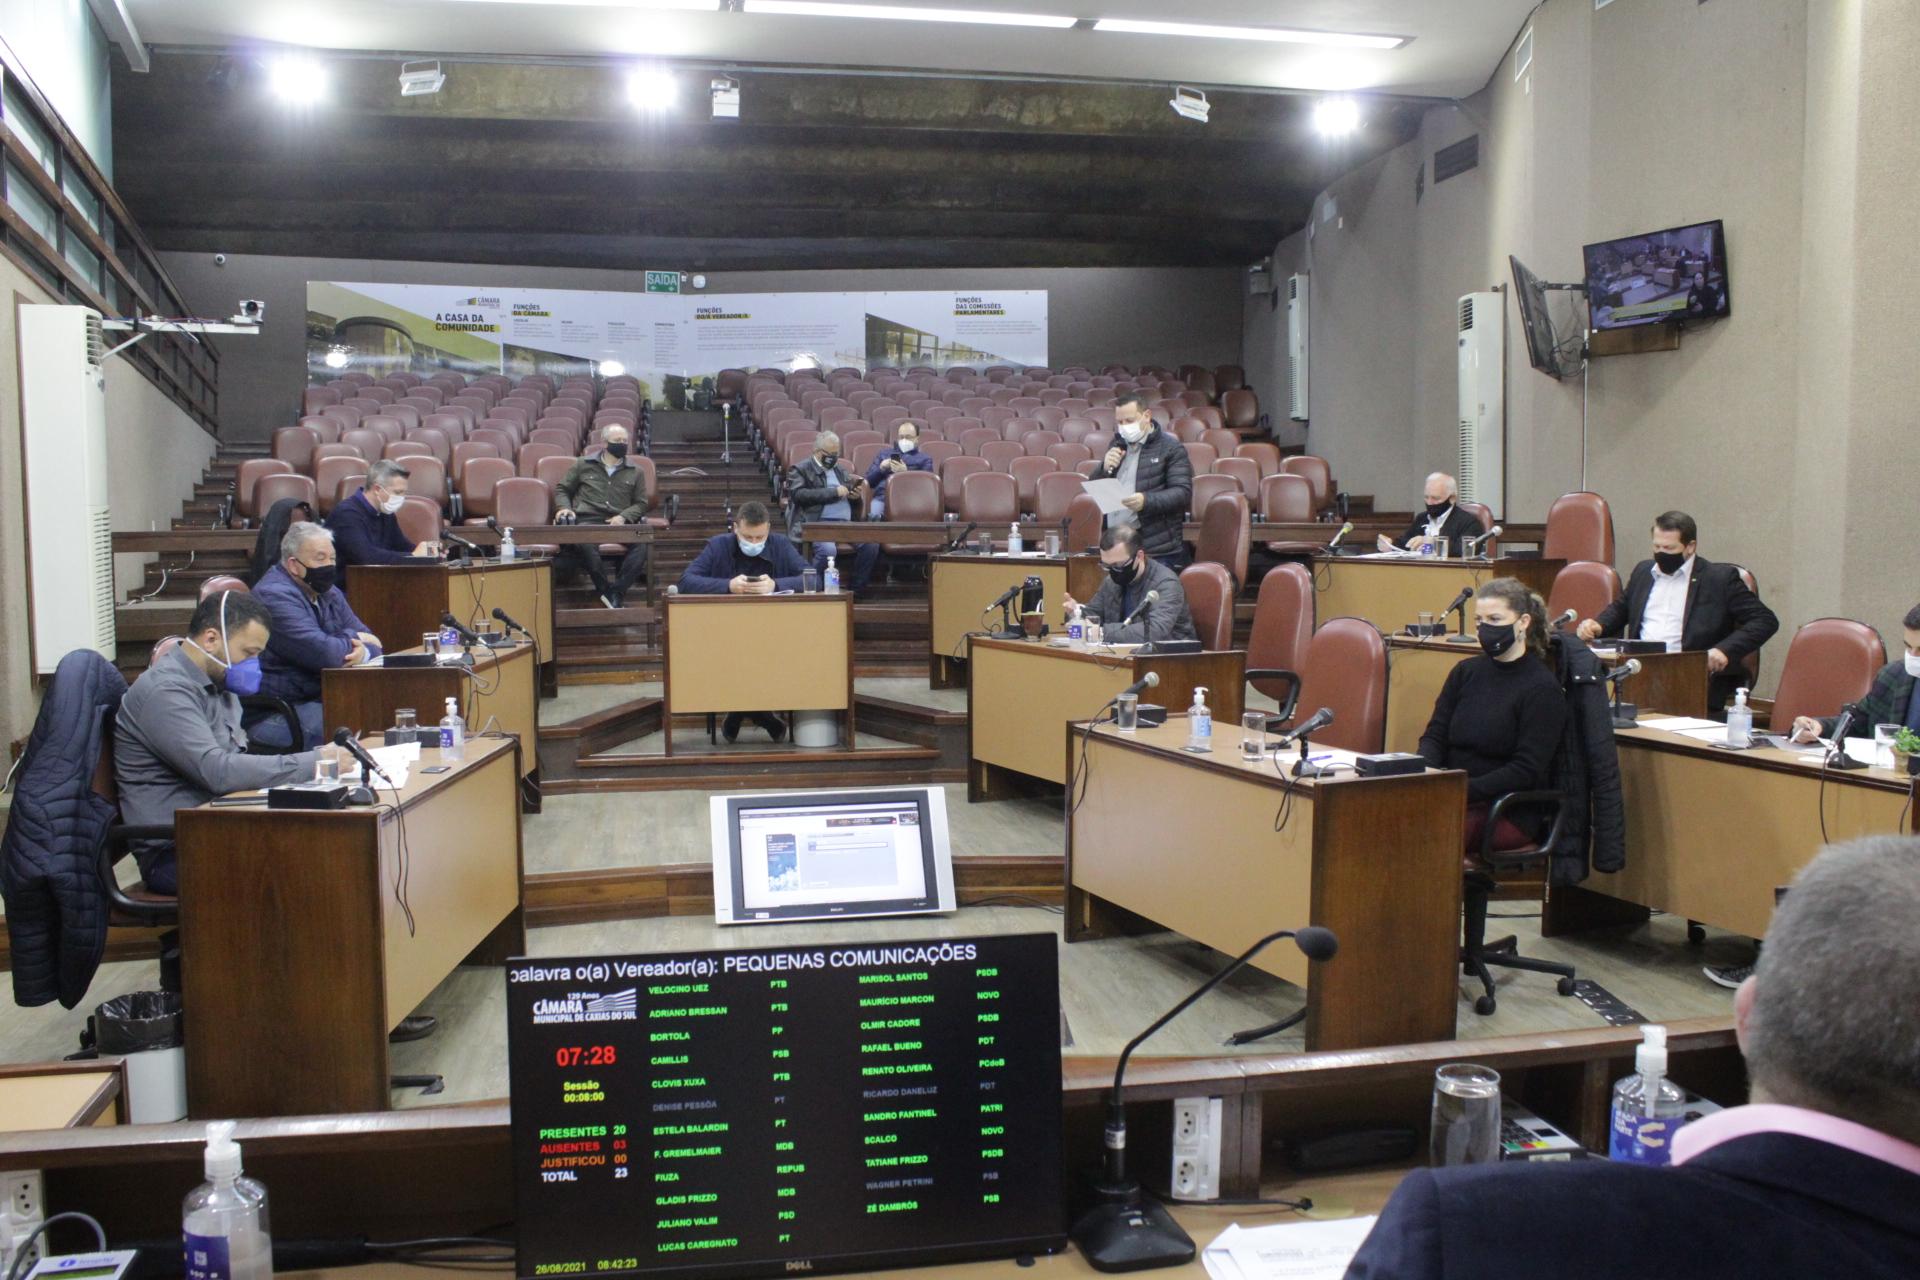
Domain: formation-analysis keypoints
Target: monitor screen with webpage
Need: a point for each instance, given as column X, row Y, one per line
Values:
column 807, row 855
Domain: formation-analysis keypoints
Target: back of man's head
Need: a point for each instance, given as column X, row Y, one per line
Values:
column 1831, row 1021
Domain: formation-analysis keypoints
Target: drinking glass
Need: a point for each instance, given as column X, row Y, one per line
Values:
column 430, row 642
column 809, row 581
column 1883, row 736
column 1253, row 736
column 406, row 719
column 1426, row 622
column 326, row 766
column 985, row 544
column 1126, row 713
column 1053, row 542
column 1466, row 1115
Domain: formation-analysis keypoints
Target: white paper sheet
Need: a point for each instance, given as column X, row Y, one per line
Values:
column 1286, row 1251
column 1678, row 724
column 1110, row 494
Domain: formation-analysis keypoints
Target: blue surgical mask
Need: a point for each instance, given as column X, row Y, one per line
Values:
column 242, row 678
column 750, row 548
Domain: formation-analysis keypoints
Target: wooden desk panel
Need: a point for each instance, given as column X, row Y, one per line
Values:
column 1188, row 842
column 402, row 602
column 1392, row 593
column 502, row 684
column 63, row 1095
column 962, row 586
column 1020, row 692
column 297, row 956
column 1711, row 833
column 758, row 653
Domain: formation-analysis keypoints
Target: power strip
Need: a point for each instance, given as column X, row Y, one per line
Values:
column 21, row 1210
column 1195, row 1166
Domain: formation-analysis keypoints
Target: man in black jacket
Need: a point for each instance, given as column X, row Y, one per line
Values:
column 1894, row 698
column 1689, row 603
column 1156, row 467
column 1442, row 521
column 821, row 487
column 1819, row 1176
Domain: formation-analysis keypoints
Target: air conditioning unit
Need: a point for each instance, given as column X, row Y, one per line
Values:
column 63, row 402
column 1483, row 405
column 1297, row 346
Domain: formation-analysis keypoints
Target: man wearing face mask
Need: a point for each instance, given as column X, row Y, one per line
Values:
column 364, row 528
column 819, row 487
column 1131, row 576
column 752, row 560
column 1441, row 522
column 604, row 488
column 1156, row 467
column 1500, row 715
column 1687, row 602
column 905, row 455
column 313, row 628
column 177, row 738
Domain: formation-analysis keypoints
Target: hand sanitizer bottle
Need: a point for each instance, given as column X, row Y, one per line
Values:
column 1739, row 721
column 453, row 733
column 1077, row 624
column 1199, row 722
column 830, row 580
column 1647, row 1107
column 1014, row 545
column 224, row 1231
column 507, row 550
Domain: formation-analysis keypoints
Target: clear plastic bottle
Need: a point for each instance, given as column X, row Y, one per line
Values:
column 1739, row 721
column 1077, row 624
column 1014, row 545
column 453, row 733
column 830, row 580
column 1647, row 1107
column 1199, row 722
column 507, row 550
column 224, row 1232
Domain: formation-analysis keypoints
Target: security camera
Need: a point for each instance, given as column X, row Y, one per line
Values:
column 219, row 259
column 252, row 311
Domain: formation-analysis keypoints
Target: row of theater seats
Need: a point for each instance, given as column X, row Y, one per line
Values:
column 1216, row 382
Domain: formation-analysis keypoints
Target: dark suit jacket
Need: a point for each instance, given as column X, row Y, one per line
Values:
column 1458, row 524
column 720, row 562
column 1721, row 614
column 1885, row 703
column 364, row 535
column 1764, row 1205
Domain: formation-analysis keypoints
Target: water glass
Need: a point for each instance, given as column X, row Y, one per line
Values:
column 406, row 719
column 1426, row 622
column 1253, row 736
column 1466, row 1115
column 1053, row 542
column 1883, row 736
column 326, row 766
column 985, row 544
column 809, row 581
column 1126, row 713
column 1094, row 632
column 430, row 643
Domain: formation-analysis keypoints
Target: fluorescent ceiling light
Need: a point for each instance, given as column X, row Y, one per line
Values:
column 709, row 6
column 907, row 13
column 1280, row 35
column 297, row 79
column 1336, row 117
column 651, row 89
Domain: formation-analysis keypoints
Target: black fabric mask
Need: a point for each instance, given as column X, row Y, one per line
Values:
column 617, row 449
column 1495, row 639
column 829, row 460
column 1123, row 574
column 322, row 578
column 1434, row 513
column 1669, row 561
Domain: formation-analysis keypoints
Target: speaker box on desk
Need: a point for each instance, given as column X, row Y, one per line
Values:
column 308, row 797
column 1389, row 764
column 409, row 660
column 1152, row 715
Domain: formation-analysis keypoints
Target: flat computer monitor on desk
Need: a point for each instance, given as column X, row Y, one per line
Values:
column 827, row 855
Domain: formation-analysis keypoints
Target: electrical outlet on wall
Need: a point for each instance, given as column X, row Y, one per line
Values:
column 22, row 1208
column 1195, row 1167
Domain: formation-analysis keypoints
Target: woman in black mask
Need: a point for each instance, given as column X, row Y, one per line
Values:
column 1500, row 715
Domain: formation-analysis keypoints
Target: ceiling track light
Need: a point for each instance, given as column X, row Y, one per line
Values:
column 1336, row 117
column 1190, row 103
column 297, row 79
column 418, row 79
column 652, row 89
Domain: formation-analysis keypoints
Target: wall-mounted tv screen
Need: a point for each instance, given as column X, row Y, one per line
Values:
column 1666, row 276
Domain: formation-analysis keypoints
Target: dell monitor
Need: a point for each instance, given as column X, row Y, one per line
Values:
column 1662, row 277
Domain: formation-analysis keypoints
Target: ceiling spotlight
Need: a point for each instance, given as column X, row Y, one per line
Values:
column 337, row 357
column 418, row 79
column 297, row 79
column 726, row 98
column 1336, row 117
column 1191, row 103
column 652, row 89
column 611, row 368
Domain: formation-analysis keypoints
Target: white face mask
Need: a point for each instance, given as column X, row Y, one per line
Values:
column 393, row 503
column 908, row 446
column 1913, row 665
column 1133, row 432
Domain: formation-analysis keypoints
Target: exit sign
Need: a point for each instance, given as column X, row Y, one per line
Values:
column 663, row 282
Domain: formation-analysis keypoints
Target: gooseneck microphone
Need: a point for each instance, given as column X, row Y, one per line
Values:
column 1128, row 1231
column 466, row 634
column 1007, row 595
column 1140, row 686
column 1345, row 529
column 458, row 541
column 1627, row 669
column 1141, row 608
column 1850, row 716
column 1317, row 721
column 1566, row 619
column 344, row 739
column 960, row 537
column 500, row 616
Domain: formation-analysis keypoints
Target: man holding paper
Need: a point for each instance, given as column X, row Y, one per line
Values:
column 1157, row 477
column 1894, row 699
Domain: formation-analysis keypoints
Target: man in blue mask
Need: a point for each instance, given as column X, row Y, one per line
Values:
column 177, row 738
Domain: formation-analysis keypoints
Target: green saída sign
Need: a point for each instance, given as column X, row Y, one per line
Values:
column 663, row 282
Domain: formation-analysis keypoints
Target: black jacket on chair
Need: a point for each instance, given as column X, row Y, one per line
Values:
column 1721, row 614
column 1458, row 524
column 1586, row 769
column 1164, row 474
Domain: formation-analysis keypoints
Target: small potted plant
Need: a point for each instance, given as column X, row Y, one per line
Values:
column 1906, row 752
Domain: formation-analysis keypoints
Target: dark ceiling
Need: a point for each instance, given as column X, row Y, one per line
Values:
column 547, row 165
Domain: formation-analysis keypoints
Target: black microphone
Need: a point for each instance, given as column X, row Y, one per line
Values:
column 1141, row 608
column 1007, row 595
column 500, row 615
column 459, row 541
column 1318, row 720
column 1466, row 594
column 1140, row 686
column 961, row 537
column 466, row 634
column 1850, row 715
column 1631, row 667
column 493, row 524
column 344, row 738
column 1129, row 1231
column 1565, row 619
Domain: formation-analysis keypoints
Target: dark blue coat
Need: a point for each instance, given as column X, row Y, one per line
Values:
column 365, row 535
column 56, row 906
column 308, row 636
column 720, row 562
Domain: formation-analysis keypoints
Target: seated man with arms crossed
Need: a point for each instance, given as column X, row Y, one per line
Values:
column 177, row 738
column 313, row 628
column 604, row 488
column 752, row 560
column 1131, row 575
column 364, row 528
column 1818, row 1176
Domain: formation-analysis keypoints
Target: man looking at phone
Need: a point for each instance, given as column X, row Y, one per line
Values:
column 751, row 560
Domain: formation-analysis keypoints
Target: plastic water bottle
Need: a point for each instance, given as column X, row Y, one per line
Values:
column 1077, row 624
column 1739, row 721
column 1647, row 1107
column 224, row 1233
column 1014, row 545
column 1199, row 722
column 830, row 580
column 453, row 733
column 507, row 550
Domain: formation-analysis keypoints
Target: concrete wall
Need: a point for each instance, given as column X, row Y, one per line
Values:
column 1792, row 122
column 1167, row 316
column 60, row 47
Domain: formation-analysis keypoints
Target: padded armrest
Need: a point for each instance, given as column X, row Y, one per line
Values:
column 114, row 845
column 1545, row 801
column 1287, row 706
column 284, row 709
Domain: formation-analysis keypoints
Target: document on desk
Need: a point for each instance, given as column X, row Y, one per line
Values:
column 1286, row 1251
column 1401, row 554
column 1110, row 494
column 1680, row 724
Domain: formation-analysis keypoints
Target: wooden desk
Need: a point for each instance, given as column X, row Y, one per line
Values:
column 1021, row 692
column 297, row 954
column 561, row 535
column 1672, row 682
column 501, row 684
column 962, row 586
column 63, row 1095
column 1393, row 592
column 757, row 653
column 400, row 603
column 1188, row 843
column 1711, row 833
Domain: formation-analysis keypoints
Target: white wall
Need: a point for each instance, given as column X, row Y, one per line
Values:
column 60, row 47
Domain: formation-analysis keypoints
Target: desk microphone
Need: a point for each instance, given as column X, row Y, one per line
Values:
column 1566, row 619
column 459, row 541
column 1850, row 715
column 1140, row 686
column 960, row 537
column 467, row 636
column 1007, row 595
column 344, row 739
column 1318, row 720
column 1482, row 541
column 1127, row 1230
column 1460, row 603
column 1141, row 608
column 1631, row 667
column 500, row 615
column 1345, row 529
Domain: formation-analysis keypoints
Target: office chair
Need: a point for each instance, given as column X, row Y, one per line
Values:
column 1476, row 953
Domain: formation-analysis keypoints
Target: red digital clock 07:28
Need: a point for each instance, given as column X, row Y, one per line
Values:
column 584, row 1055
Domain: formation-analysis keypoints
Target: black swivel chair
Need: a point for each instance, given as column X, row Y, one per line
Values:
column 1476, row 953
column 134, row 907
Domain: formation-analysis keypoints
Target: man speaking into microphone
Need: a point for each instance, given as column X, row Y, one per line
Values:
column 1155, row 466
column 1141, row 599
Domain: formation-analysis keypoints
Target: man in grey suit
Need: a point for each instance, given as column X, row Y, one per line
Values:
column 1132, row 575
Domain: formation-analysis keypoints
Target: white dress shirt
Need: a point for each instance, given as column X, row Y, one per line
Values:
column 1665, row 616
